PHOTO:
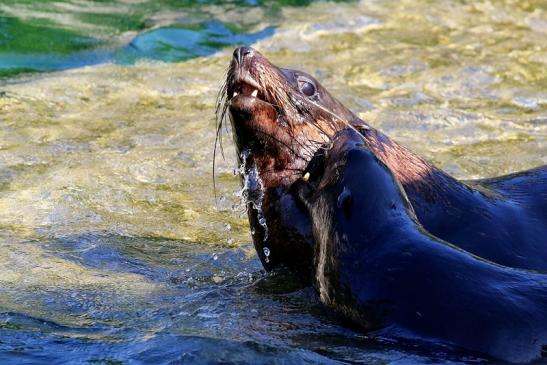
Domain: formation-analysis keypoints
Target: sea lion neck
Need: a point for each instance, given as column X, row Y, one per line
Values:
column 339, row 177
column 431, row 191
column 421, row 180
column 409, row 168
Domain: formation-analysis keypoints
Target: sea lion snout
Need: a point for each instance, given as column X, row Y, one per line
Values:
column 242, row 53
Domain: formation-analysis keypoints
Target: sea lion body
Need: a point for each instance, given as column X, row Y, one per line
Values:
column 503, row 219
column 376, row 265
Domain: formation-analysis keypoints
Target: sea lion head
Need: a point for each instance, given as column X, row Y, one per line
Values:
column 280, row 115
column 280, row 118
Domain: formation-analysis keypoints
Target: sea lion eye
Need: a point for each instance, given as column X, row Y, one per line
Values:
column 306, row 87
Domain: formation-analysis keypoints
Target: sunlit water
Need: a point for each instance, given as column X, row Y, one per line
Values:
column 112, row 247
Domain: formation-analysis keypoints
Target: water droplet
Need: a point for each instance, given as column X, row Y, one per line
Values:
column 267, row 253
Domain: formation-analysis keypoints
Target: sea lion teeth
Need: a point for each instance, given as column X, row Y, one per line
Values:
column 235, row 94
column 306, row 177
column 255, row 93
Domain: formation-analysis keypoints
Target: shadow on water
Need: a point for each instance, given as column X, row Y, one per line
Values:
column 173, row 44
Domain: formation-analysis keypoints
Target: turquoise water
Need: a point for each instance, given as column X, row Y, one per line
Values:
column 54, row 35
column 113, row 247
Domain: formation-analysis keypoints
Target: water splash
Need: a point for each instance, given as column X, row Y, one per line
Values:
column 253, row 189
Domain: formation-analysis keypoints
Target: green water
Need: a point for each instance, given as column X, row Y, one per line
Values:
column 50, row 35
column 112, row 246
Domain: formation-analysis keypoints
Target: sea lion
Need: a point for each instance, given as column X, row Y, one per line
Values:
column 281, row 117
column 276, row 134
column 377, row 266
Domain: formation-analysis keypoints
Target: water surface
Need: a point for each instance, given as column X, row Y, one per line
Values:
column 112, row 246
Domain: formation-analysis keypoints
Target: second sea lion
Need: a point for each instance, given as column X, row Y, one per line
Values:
column 377, row 266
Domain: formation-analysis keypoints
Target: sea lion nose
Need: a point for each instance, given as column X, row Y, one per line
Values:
column 241, row 53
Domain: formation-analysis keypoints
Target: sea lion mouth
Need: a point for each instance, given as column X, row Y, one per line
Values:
column 252, row 115
column 245, row 88
column 243, row 79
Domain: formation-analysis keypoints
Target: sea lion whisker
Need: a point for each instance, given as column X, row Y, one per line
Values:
column 318, row 127
column 307, row 148
column 220, row 112
column 346, row 123
column 343, row 120
column 214, row 164
column 220, row 115
column 314, row 123
column 296, row 171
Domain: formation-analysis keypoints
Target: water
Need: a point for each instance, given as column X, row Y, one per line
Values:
column 112, row 247
column 252, row 192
